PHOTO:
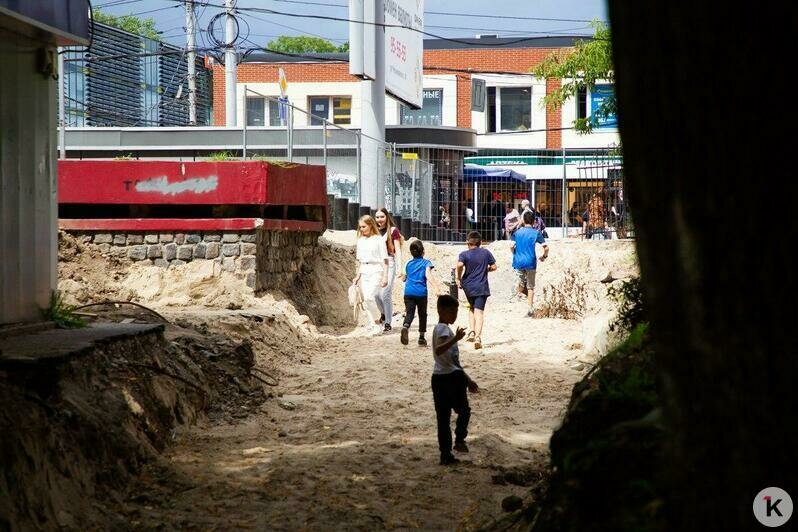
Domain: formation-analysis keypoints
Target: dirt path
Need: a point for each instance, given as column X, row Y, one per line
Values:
column 351, row 442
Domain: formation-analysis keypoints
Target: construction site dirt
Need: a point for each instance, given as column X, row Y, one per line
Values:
column 331, row 429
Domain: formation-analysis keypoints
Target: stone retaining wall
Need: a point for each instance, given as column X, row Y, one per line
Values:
column 268, row 259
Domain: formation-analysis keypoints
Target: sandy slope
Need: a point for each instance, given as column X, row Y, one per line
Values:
column 348, row 442
column 351, row 442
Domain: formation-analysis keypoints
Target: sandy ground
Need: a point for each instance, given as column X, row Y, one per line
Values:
column 348, row 440
column 351, row 443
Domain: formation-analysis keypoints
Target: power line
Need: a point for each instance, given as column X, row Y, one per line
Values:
column 506, row 17
column 449, row 13
column 382, row 25
column 115, row 3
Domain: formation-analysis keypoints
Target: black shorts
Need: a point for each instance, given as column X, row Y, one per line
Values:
column 477, row 302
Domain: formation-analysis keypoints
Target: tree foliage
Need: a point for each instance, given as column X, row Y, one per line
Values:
column 304, row 44
column 130, row 23
column 581, row 68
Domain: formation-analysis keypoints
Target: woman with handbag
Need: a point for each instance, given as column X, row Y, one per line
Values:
column 372, row 269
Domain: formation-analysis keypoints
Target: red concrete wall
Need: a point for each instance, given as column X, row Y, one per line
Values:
column 190, row 183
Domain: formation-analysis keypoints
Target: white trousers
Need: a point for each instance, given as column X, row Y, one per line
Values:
column 385, row 295
column 370, row 280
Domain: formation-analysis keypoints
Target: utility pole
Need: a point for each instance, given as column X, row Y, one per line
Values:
column 372, row 94
column 230, row 59
column 191, row 46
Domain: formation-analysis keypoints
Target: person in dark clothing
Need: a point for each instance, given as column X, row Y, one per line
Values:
column 450, row 382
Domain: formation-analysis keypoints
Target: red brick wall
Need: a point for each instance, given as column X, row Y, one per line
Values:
column 553, row 118
column 514, row 60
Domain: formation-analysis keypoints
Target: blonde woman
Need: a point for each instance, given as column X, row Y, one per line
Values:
column 372, row 268
column 394, row 243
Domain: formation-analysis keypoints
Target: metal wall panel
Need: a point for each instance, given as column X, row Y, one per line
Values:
column 28, row 246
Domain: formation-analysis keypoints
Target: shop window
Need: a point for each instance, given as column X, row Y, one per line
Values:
column 337, row 109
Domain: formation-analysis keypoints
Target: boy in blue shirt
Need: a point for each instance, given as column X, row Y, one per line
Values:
column 473, row 266
column 418, row 271
column 525, row 258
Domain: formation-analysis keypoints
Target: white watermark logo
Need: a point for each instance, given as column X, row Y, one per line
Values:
column 772, row 507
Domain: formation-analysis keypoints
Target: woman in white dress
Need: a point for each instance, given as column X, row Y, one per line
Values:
column 394, row 243
column 372, row 269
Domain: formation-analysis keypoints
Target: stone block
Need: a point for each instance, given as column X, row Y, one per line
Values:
column 251, row 278
column 177, row 262
column 120, row 240
column 230, row 250
column 154, row 252
column 160, row 263
column 193, row 239
column 180, row 239
column 185, row 252
column 199, row 250
column 137, row 252
column 150, row 239
column 229, row 264
column 103, row 238
column 104, row 248
column 212, row 237
column 229, row 238
column 134, row 239
column 247, row 262
column 170, row 251
column 118, row 252
column 166, row 237
column 249, row 237
column 212, row 250
column 248, row 249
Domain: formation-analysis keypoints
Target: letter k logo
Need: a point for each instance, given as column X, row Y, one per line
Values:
column 771, row 506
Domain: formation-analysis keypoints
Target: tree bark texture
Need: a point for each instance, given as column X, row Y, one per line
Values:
column 705, row 116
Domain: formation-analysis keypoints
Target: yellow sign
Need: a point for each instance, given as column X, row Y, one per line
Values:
column 282, row 81
column 409, row 156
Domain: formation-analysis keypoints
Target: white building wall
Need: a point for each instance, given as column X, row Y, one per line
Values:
column 299, row 94
column 536, row 138
column 28, row 208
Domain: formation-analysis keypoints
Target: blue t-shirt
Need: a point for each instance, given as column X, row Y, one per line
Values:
column 524, row 257
column 475, row 275
column 416, row 283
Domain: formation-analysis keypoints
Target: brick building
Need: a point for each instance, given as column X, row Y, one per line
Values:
column 513, row 97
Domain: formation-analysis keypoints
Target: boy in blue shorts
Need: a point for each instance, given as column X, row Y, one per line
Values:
column 418, row 272
column 473, row 266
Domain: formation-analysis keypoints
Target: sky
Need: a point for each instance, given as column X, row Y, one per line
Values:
column 169, row 16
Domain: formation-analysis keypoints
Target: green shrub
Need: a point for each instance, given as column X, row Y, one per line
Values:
column 61, row 314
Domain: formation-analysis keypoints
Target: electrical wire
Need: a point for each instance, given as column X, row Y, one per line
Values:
column 471, row 42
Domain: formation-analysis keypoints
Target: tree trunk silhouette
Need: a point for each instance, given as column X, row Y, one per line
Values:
column 707, row 177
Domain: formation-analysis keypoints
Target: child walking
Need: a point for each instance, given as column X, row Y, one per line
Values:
column 473, row 266
column 450, row 382
column 418, row 272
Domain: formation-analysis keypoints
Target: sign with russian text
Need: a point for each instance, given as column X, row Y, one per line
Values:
column 598, row 95
column 404, row 50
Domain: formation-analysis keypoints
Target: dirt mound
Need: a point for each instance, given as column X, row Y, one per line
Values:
column 92, row 421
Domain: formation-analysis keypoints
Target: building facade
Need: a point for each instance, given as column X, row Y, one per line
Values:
column 131, row 81
column 512, row 101
column 482, row 85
